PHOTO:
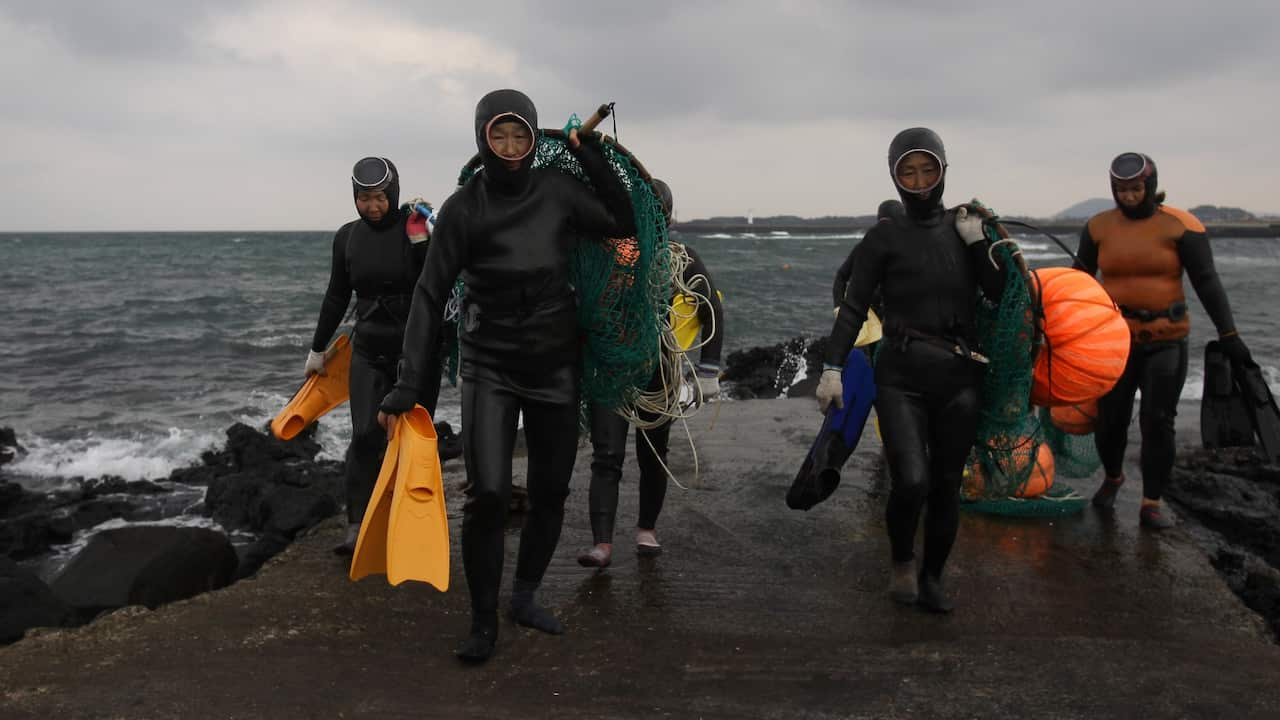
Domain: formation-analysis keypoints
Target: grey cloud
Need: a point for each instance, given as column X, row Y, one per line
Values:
column 133, row 29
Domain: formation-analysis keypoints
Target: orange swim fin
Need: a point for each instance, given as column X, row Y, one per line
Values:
column 370, row 556
column 319, row 394
column 418, row 529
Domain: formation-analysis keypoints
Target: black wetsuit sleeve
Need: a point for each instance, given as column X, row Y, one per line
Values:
column 336, row 297
column 1197, row 259
column 869, row 259
column 1087, row 253
column 842, row 280
column 419, row 375
column 614, row 216
column 710, row 314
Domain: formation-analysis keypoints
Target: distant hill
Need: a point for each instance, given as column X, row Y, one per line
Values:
column 1085, row 210
column 1215, row 214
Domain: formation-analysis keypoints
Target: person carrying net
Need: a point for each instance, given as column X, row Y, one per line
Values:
column 609, row 429
column 928, row 266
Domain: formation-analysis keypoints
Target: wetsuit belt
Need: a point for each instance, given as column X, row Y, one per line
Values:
column 385, row 303
column 1176, row 311
column 959, row 347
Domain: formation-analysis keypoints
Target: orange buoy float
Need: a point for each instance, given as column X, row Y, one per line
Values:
column 1075, row 419
column 1037, row 484
column 1086, row 340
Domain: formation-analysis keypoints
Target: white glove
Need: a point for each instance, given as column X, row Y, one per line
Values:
column 969, row 226
column 315, row 364
column 830, row 390
column 835, row 311
column 708, row 379
column 709, row 387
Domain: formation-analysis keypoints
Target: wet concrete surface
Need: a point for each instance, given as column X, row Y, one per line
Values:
column 753, row 610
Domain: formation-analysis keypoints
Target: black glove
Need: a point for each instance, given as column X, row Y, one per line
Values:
column 1234, row 348
column 400, row 400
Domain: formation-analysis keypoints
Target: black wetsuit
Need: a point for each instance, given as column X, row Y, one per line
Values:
column 509, row 235
column 609, row 430
column 927, row 396
column 380, row 265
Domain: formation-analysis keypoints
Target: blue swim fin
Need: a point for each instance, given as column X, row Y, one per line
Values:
column 841, row 430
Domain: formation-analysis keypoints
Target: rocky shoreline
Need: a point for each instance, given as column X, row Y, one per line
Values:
column 267, row 493
column 263, row 491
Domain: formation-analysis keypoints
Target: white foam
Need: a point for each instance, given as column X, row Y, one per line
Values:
column 134, row 458
column 274, row 341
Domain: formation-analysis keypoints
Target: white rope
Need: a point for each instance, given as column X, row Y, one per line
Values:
column 663, row 404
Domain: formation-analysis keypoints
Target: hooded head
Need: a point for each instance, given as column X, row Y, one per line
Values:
column 889, row 210
column 921, row 200
column 1128, row 169
column 377, row 174
column 511, row 112
column 663, row 191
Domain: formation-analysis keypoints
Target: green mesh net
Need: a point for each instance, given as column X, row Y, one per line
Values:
column 623, row 284
column 1009, row 457
column 1074, row 456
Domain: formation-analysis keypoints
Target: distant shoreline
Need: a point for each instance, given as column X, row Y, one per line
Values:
column 828, row 226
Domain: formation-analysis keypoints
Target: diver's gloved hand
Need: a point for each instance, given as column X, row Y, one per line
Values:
column 1233, row 347
column 400, row 400
column 830, row 389
column 969, row 225
column 315, row 364
column 708, row 377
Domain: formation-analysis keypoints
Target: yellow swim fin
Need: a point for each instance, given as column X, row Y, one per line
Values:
column 418, row 529
column 319, row 394
column 370, row 556
column 871, row 331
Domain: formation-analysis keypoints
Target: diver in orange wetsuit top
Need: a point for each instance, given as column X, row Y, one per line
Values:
column 1142, row 247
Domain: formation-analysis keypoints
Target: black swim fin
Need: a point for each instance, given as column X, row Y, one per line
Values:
column 1262, row 407
column 1225, row 420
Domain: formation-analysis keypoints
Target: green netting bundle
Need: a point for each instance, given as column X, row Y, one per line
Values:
column 1074, row 456
column 1010, row 458
column 623, row 284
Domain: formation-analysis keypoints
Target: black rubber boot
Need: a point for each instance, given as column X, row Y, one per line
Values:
column 479, row 646
column 528, row 613
column 931, row 596
column 902, row 584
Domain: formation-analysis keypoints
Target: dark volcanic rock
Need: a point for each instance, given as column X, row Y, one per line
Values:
column 790, row 368
column 1235, row 496
column 765, row 372
column 145, row 565
column 9, row 447
column 26, row 602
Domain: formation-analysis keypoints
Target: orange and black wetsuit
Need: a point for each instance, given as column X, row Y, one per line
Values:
column 1142, row 260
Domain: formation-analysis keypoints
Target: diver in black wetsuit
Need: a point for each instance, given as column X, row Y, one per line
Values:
column 374, row 257
column 928, row 266
column 609, row 429
column 509, row 232
column 888, row 210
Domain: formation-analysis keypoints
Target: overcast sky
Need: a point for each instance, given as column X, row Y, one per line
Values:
column 186, row 114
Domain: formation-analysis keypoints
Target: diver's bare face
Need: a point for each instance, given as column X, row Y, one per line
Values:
column 918, row 172
column 511, row 141
column 372, row 204
column 1131, row 193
